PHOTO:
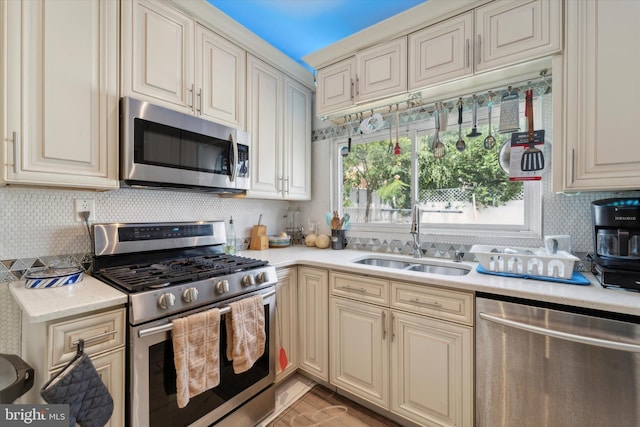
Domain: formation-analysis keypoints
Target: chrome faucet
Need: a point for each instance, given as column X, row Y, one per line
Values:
column 415, row 231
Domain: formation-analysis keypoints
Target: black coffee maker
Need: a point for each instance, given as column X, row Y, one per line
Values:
column 616, row 234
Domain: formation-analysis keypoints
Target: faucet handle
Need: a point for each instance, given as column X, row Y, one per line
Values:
column 458, row 256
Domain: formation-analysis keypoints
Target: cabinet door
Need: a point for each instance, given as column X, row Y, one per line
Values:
column 600, row 87
column 60, row 71
column 265, row 97
column 297, row 141
column 431, row 371
column 287, row 320
column 513, row 31
column 382, row 70
column 220, row 78
column 441, row 52
column 336, row 86
column 360, row 350
column 313, row 317
column 110, row 368
column 160, row 45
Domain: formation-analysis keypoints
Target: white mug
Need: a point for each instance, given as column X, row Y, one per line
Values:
column 557, row 243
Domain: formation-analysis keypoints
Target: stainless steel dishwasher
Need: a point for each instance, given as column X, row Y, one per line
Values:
column 550, row 365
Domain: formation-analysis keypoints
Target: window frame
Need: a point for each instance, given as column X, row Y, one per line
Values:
column 533, row 192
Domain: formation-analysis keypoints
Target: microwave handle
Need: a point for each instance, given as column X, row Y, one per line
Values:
column 234, row 161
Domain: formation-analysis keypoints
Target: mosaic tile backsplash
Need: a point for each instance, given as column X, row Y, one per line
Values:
column 39, row 228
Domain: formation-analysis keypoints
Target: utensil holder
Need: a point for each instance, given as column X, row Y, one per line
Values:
column 338, row 239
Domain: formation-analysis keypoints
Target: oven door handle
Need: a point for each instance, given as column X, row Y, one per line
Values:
column 169, row 326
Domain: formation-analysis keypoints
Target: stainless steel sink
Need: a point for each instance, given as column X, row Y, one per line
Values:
column 439, row 269
column 383, row 262
column 430, row 267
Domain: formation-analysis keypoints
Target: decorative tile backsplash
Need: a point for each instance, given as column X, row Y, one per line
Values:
column 39, row 227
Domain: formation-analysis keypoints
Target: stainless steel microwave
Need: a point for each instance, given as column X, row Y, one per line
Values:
column 163, row 148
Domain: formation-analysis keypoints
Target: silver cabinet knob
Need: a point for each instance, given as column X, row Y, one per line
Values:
column 190, row 295
column 166, row 301
column 262, row 277
column 248, row 280
column 222, row 286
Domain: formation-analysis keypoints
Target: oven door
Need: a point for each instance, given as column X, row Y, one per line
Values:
column 152, row 375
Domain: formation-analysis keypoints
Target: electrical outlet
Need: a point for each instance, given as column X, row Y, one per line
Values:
column 84, row 205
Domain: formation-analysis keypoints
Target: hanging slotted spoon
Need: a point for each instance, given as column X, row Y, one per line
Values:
column 438, row 146
column 489, row 141
column 532, row 158
column 460, row 144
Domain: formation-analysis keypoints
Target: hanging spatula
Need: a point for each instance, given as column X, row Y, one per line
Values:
column 532, row 158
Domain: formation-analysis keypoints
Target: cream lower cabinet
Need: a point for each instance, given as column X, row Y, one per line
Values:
column 359, row 349
column 431, row 370
column 50, row 346
column 287, row 321
column 597, row 149
column 60, row 93
column 313, row 322
column 405, row 347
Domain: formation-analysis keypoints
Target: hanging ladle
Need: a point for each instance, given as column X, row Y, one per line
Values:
column 438, row 146
column 489, row 141
column 460, row 144
column 474, row 131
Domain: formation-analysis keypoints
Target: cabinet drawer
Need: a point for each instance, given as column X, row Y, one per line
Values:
column 361, row 287
column 441, row 303
column 101, row 332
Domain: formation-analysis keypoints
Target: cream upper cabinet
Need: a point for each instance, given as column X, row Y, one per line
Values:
column 279, row 121
column 371, row 74
column 511, row 31
column 441, row 52
column 336, row 86
column 171, row 60
column 382, row 70
column 598, row 151
column 158, row 54
column 359, row 349
column 60, row 93
column 220, row 78
column 287, row 321
column 313, row 322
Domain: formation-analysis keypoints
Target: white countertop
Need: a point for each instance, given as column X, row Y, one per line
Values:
column 592, row 296
column 41, row 305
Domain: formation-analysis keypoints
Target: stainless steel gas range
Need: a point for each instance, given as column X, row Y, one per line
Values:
column 172, row 270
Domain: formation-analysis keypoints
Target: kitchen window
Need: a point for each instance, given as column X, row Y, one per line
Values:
column 465, row 192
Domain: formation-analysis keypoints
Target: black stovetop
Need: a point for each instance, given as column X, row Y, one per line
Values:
column 142, row 276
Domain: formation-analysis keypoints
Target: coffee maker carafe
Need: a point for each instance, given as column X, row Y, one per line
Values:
column 616, row 231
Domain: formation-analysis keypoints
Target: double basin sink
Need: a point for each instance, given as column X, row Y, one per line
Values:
column 431, row 267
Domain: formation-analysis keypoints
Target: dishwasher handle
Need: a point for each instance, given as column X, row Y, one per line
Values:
column 562, row 335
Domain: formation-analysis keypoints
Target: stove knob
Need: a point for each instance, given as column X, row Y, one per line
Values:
column 222, row 286
column 248, row 280
column 190, row 295
column 167, row 300
column 262, row 277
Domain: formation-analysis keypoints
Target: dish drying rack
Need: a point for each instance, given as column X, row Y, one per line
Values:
column 525, row 261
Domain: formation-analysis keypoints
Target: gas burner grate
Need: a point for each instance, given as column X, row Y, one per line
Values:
column 141, row 277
